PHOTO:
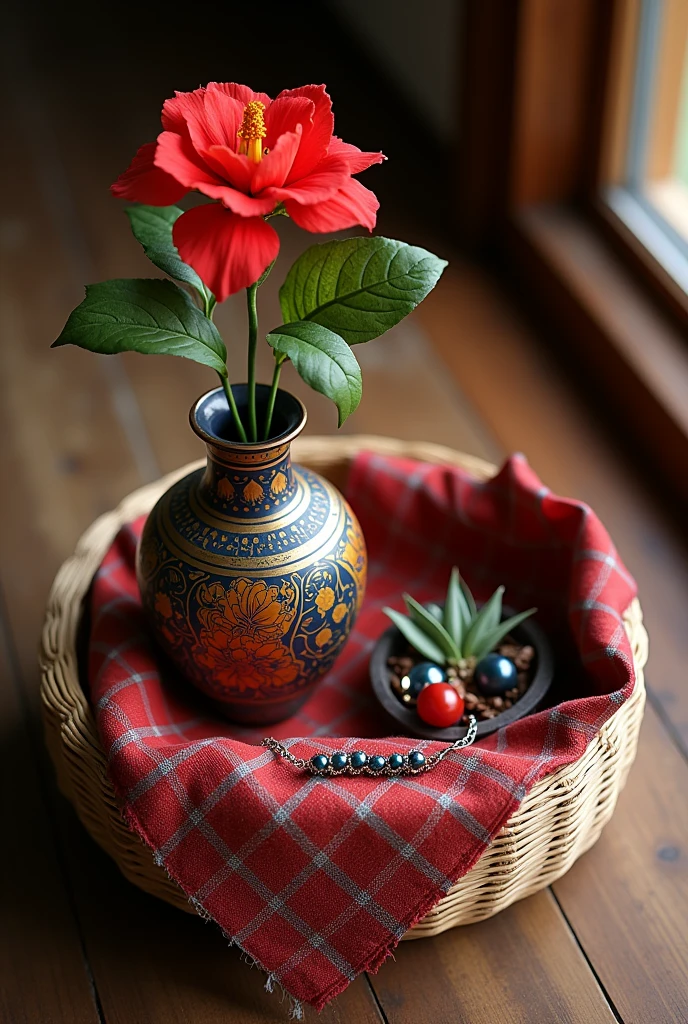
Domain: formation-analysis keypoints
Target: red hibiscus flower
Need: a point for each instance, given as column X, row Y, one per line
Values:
column 251, row 154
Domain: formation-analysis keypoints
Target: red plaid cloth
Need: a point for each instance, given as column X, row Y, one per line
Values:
column 318, row 879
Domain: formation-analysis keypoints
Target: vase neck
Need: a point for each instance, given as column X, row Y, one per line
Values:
column 250, row 481
column 248, row 485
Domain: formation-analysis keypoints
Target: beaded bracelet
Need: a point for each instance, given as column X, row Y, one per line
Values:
column 359, row 763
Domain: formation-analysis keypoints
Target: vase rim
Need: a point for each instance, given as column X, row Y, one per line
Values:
column 286, row 437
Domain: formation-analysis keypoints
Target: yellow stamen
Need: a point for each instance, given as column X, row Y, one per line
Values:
column 252, row 131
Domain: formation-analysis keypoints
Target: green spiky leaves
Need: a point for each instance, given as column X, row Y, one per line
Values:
column 462, row 631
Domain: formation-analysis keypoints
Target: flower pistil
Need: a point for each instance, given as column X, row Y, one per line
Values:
column 252, row 131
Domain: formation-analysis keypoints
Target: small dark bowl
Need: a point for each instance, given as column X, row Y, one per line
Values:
column 392, row 643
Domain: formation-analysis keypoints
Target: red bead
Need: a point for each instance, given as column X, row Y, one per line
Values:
column 440, row 705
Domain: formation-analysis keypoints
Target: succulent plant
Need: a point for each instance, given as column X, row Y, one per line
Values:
column 459, row 630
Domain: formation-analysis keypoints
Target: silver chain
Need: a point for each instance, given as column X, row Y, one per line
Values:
column 406, row 768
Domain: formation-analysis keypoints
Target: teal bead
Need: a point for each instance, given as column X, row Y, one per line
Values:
column 494, row 675
column 358, row 759
column 377, row 762
column 338, row 761
column 396, row 761
column 424, row 673
column 319, row 762
column 416, row 759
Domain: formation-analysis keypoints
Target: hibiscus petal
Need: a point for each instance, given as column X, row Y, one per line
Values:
column 358, row 160
column 317, row 135
column 173, row 119
column 284, row 114
column 238, row 202
column 330, row 175
column 208, row 117
column 228, row 252
column 143, row 182
column 234, row 167
column 275, row 165
column 353, row 204
column 242, row 93
column 224, row 115
column 177, row 153
column 177, row 156
column 202, row 177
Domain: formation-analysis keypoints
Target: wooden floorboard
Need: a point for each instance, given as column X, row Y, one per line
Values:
column 520, row 966
column 627, row 899
column 43, row 972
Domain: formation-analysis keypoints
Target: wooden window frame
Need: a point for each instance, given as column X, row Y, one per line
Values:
column 536, row 142
column 616, row 199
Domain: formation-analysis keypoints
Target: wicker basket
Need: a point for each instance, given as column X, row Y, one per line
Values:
column 560, row 818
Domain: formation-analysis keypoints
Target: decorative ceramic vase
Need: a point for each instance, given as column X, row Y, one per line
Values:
column 252, row 570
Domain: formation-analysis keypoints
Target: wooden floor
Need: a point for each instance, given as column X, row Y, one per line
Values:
column 79, row 944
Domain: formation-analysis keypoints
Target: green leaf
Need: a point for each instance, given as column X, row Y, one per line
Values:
column 153, row 317
column 490, row 641
column 323, row 360
column 416, row 637
column 457, row 616
column 427, row 622
column 484, row 623
column 359, row 287
column 470, row 600
column 152, row 227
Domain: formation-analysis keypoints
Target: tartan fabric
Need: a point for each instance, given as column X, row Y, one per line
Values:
column 318, row 879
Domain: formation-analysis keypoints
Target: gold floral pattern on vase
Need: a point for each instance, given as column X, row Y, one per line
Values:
column 253, row 606
column 324, row 599
column 258, row 490
column 240, row 640
column 278, row 484
column 355, row 557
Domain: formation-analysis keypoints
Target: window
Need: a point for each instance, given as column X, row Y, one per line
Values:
column 646, row 167
column 574, row 140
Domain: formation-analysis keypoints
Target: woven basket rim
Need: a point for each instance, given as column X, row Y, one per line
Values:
column 81, row 764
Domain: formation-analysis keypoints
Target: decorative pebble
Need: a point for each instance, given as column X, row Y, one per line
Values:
column 319, row 762
column 421, row 675
column 416, row 759
column 395, row 761
column 524, row 658
column 377, row 762
column 440, row 705
column 358, row 759
column 338, row 761
column 495, row 674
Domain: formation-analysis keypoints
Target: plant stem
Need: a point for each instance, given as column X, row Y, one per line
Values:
column 251, row 297
column 209, row 302
column 272, row 397
column 232, row 405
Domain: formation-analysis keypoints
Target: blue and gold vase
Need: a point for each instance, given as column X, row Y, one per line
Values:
column 253, row 570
